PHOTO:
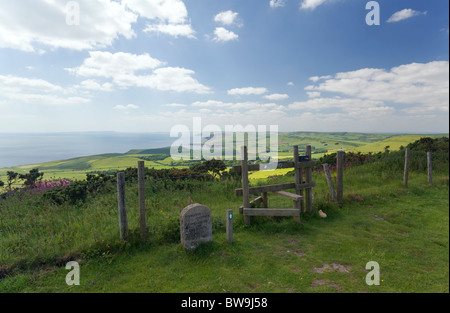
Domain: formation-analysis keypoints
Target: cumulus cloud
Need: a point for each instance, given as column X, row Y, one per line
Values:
column 167, row 16
column 106, row 64
column 277, row 97
column 247, row 91
column 222, row 34
column 23, row 27
column 422, row 86
column 227, row 18
column 12, row 84
column 238, row 105
column 36, row 91
column 124, row 70
column 173, row 79
column 346, row 104
column 277, row 3
column 175, row 105
column 311, row 4
column 126, row 107
column 170, row 11
column 93, row 85
column 174, row 30
column 403, row 15
column 313, row 94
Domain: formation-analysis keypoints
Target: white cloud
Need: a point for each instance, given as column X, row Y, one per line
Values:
column 247, row 91
column 277, row 97
column 311, row 4
column 175, row 105
column 404, row 14
column 164, row 79
column 13, row 84
column 170, row 11
column 174, row 79
column 36, row 91
column 424, row 86
column 93, row 85
column 277, row 3
column 313, row 94
column 227, row 17
column 223, row 35
column 126, row 107
column 174, row 30
column 169, row 16
column 106, row 64
column 239, row 106
column 27, row 23
column 123, row 69
column 290, row 84
column 315, row 79
column 345, row 104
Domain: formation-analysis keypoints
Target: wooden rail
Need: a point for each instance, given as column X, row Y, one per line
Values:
column 274, row 188
column 300, row 202
column 280, row 165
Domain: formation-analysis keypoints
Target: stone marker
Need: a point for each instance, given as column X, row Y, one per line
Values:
column 195, row 226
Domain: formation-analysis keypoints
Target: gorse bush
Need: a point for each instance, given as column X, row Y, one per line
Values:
column 394, row 161
column 428, row 144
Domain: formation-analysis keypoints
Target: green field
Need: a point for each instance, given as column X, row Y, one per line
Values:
column 405, row 230
column 322, row 143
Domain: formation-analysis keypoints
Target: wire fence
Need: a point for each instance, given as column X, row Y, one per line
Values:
column 20, row 236
column 393, row 162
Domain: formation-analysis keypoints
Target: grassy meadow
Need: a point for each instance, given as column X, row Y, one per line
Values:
column 322, row 143
column 404, row 229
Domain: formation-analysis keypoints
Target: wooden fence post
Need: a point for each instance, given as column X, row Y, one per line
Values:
column 430, row 168
column 340, row 176
column 298, row 178
column 141, row 190
column 230, row 226
column 406, row 170
column 265, row 199
column 326, row 168
column 245, row 183
column 308, row 192
column 123, row 221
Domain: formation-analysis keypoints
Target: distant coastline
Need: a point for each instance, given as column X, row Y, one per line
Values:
column 31, row 148
column 19, row 149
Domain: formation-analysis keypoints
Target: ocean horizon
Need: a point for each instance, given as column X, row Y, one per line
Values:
column 32, row 148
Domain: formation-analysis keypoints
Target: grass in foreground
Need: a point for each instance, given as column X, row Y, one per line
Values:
column 406, row 230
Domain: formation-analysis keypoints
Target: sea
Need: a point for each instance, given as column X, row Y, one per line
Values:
column 24, row 149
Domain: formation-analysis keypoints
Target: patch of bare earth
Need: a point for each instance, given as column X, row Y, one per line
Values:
column 332, row 267
column 325, row 282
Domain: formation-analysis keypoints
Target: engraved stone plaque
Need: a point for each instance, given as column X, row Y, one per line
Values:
column 195, row 226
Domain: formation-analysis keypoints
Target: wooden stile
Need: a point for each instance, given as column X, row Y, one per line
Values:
column 281, row 165
column 271, row 212
column 298, row 178
column 308, row 191
column 274, row 188
column 245, row 183
column 248, row 208
column 326, row 168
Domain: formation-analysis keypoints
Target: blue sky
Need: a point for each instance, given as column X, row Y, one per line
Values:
column 148, row 65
